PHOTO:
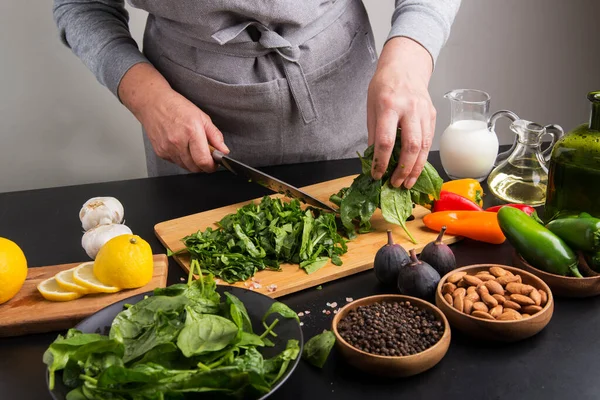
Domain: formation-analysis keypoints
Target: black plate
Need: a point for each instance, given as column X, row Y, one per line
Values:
column 257, row 305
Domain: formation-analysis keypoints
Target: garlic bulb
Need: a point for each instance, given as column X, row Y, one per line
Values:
column 101, row 211
column 96, row 237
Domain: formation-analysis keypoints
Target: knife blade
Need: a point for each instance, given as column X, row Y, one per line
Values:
column 268, row 181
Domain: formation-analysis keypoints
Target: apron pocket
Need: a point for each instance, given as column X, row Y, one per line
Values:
column 249, row 115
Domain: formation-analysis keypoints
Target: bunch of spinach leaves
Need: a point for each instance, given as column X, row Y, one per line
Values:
column 359, row 201
column 182, row 339
column 262, row 236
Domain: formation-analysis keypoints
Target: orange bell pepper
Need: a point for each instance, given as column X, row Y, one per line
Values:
column 477, row 225
column 469, row 188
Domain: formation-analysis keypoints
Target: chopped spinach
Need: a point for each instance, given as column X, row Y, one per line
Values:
column 183, row 339
column 264, row 235
column 317, row 349
column 359, row 201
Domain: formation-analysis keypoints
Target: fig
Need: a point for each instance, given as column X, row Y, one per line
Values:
column 418, row 278
column 389, row 260
column 439, row 255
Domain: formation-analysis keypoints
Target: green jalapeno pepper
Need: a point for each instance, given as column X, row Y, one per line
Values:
column 581, row 233
column 537, row 244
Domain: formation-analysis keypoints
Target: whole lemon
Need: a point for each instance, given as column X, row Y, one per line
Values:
column 125, row 261
column 13, row 269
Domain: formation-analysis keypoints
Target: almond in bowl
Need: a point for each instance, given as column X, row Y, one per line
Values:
column 495, row 302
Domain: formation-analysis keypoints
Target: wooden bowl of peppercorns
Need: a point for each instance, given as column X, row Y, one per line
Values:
column 392, row 335
column 495, row 302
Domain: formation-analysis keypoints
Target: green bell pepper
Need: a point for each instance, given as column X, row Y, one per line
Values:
column 537, row 244
column 581, row 233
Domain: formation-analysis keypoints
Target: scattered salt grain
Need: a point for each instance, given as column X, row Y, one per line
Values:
column 306, row 312
column 333, row 305
column 301, row 323
column 254, row 285
column 218, row 281
column 349, row 299
column 182, row 279
column 272, row 287
column 301, row 314
column 324, row 311
column 327, row 312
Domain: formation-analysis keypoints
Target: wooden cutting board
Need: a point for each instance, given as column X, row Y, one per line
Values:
column 28, row 312
column 360, row 255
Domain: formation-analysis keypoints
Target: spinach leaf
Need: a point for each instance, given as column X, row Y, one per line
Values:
column 59, row 352
column 166, row 355
column 250, row 339
column 429, row 182
column 141, row 328
column 238, row 313
column 360, row 202
column 276, row 366
column 252, row 362
column 366, row 160
column 282, row 310
column 249, row 246
column 396, row 206
column 204, row 333
column 315, row 264
column 306, row 235
column 317, row 349
column 421, row 199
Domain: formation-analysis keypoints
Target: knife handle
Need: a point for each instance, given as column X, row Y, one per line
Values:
column 216, row 154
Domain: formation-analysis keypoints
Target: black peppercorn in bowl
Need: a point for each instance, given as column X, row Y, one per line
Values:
column 391, row 335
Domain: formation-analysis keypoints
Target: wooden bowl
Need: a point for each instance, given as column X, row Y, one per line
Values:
column 393, row 366
column 565, row 286
column 501, row 331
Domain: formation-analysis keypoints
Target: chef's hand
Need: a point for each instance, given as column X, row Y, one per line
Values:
column 179, row 131
column 398, row 97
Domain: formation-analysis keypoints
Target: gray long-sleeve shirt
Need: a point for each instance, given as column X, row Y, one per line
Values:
column 97, row 31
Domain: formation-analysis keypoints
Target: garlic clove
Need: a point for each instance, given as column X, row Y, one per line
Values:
column 101, row 211
column 96, row 237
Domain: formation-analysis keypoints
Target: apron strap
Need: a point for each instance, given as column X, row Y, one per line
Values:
column 289, row 54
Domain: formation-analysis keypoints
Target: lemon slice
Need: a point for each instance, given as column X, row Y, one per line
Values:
column 66, row 282
column 84, row 275
column 53, row 292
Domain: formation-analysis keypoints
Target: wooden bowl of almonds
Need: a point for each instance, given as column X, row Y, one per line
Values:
column 495, row 302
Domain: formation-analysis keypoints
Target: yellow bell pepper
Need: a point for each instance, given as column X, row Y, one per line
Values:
column 469, row 188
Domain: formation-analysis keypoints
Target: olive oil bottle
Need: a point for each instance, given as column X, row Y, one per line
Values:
column 574, row 173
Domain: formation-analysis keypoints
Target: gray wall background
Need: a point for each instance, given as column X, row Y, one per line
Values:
column 59, row 126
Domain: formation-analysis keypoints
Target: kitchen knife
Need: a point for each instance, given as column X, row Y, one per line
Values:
column 267, row 181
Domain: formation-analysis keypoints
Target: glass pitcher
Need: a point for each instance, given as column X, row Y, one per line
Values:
column 469, row 146
column 521, row 173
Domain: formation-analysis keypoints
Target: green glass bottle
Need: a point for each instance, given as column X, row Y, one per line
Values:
column 574, row 172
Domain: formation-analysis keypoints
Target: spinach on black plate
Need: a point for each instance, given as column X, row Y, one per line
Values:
column 264, row 235
column 182, row 339
column 359, row 201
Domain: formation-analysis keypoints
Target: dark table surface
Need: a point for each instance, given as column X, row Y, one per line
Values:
column 559, row 362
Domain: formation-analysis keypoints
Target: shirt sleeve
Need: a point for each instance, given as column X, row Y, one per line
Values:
column 97, row 31
column 427, row 22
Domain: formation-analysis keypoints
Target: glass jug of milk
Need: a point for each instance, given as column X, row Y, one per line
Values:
column 469, row 145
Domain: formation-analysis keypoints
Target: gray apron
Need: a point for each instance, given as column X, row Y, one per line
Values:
column 280, row 95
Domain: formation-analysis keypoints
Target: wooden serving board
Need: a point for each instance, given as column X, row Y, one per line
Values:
column 360, row 255
column 28, row 312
